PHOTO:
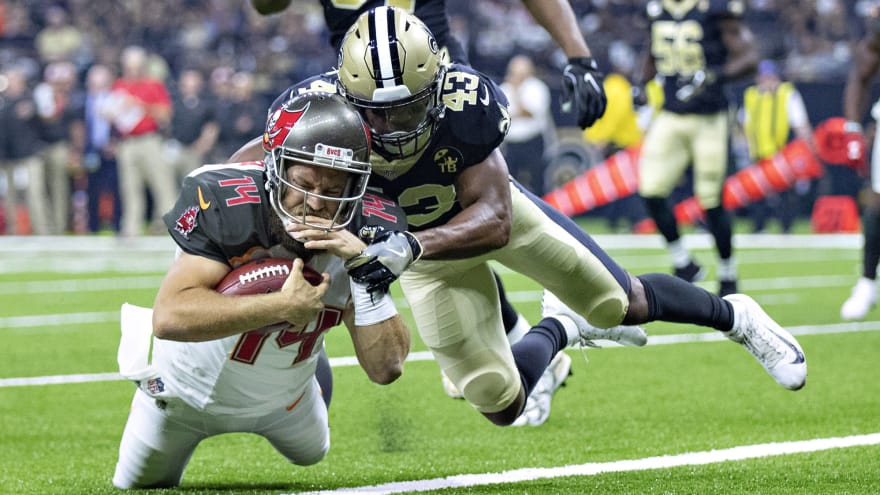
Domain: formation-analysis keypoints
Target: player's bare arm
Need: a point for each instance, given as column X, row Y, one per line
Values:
column 557, row 17
column 865, row 65
column 381, row 348
column 742, row 54
column 484, row 224
column 187, row 308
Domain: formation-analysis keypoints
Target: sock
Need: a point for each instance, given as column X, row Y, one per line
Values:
column 680, row 255
column 663, row 216
column 533, row 353
column 508, row 315
column 726, row 269
column 871, row 250
column 718, row 221
column 672, row 299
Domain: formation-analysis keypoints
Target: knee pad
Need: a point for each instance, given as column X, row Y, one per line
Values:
column 489, row 391
column 609, row 311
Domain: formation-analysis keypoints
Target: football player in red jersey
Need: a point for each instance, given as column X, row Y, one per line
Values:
column 436, row 128
column 216, row 367
column 855, row 96
column 695, row 47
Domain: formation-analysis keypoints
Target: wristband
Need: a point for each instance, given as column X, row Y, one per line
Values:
column 370, row 309
column 851, row 126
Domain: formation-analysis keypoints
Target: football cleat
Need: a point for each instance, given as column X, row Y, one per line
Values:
column 726, row 287
column 449, row 387
column 537, row 408
column 581, row 333
column 692, row 272
column 861, row 300
column 776, row 349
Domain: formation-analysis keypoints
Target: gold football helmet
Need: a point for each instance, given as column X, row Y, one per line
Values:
column 391, row 69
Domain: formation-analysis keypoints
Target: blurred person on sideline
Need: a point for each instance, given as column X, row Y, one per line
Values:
column 139, row 108
column 249, row 363
column 60, row 108
column 99, row 158
column 866, row 65
column 22, row 154
column 695, row 48
column 619, row 127
column 194, row 127
column 773, row 110
column 532, row 130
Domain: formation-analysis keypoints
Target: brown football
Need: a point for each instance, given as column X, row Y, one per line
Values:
column 262, row 276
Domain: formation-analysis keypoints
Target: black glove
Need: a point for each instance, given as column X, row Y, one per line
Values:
column 582, row 90
column 692, row 87
column 639, row 96
column 379, row 265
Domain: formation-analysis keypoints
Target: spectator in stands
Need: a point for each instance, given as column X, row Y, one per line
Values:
column 59, row 40
column 60, row 108
column 773, row 110
column 99, row 159
column 22, row 152
column 194, row 127
column 532, row 130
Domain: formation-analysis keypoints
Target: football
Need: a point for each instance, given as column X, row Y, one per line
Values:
column 262, row 276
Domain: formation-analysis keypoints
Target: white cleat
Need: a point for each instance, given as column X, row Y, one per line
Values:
column 776, row 349
column 449, row 387
column 537, row 408
column 584, row 334
column 861, row 300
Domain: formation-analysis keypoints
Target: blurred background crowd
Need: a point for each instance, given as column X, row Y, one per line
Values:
column 221, row 63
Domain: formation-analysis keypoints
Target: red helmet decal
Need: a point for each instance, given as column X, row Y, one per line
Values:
column 280, row 124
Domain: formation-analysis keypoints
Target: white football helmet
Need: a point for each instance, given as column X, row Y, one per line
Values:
column 391, row 69
column 318, row 129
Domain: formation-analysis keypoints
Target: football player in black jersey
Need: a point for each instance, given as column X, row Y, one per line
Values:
column 695, row 46
column 224, row 363
column 436, row 128
column 582, row 88
column 855, row 101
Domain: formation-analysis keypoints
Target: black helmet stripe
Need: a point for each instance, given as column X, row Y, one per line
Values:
column 383, row 50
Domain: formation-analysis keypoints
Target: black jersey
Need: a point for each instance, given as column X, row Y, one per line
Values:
column 685, row 38
column 341, row 14
column 474, row 123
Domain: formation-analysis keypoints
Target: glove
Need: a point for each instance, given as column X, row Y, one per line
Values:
column 855, row 145
column 582, row 90
column 382, row 262
column 693, row 87
column 639, row 96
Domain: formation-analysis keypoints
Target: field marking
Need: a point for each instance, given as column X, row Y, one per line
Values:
column 740, row 453
column 335, row 362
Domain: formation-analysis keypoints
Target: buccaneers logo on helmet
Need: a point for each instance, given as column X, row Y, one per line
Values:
column 280, row 124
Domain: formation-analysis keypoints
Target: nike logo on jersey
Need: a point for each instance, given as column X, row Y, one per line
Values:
column 202, row 203
column 485, row 98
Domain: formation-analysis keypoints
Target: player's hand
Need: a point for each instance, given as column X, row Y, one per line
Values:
column 341, row 243
column 639, row 96
column 692, row 87
column 382, row 262
column 582, row 91
column 303, row 299
column 855, row 145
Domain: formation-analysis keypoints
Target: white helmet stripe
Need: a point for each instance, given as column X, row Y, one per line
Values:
column 388, row 64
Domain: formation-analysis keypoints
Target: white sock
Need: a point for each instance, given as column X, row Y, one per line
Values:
column 680, row 255
column 726, row 269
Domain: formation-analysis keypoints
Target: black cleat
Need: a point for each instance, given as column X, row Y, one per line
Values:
column 692, row 272
column 726, row 287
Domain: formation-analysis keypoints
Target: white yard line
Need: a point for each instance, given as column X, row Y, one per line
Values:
column 594, row 468
column 683, row 338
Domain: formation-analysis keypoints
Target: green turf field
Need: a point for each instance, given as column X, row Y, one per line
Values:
column 620, row 425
